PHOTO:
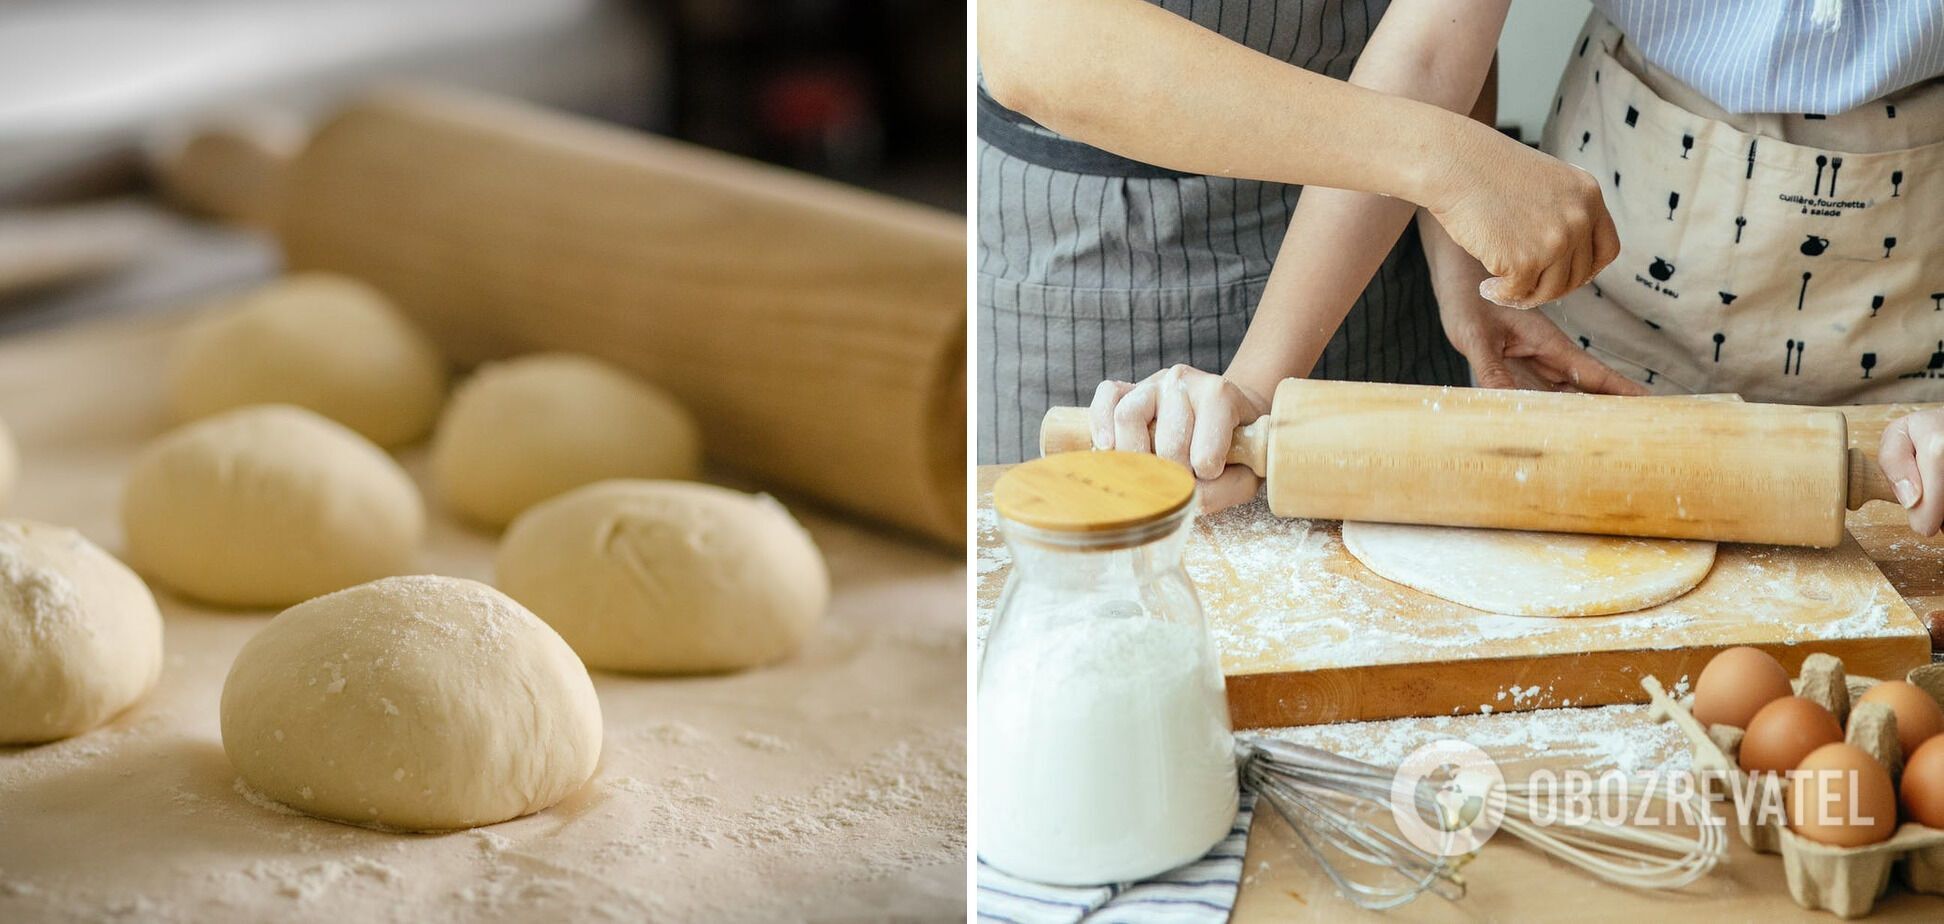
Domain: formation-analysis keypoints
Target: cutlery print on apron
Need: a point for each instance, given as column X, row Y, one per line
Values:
column 1823, row 263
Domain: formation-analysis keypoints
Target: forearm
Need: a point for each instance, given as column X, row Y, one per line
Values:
column 1134, row 79
column 1338, row 239
column 1312, row 288
column 1455, row 274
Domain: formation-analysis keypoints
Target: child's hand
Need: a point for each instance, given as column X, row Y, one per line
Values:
column 1511, row 348
column 1912, row 456
column 1185, row 415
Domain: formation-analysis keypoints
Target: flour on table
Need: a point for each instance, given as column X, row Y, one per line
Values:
column 1520, row 573
column 1619, row 738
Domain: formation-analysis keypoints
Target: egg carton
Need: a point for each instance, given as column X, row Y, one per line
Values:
column 1843, row 880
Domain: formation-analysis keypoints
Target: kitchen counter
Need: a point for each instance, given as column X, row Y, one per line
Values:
column 1509, row 882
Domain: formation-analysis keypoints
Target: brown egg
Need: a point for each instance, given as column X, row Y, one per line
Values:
column 1736, row 684
column 1841, row 796
column 1918, row 716
column 1923, row 784
column 1784, row 732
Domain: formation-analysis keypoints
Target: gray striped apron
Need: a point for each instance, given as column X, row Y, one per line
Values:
column 1093, row 267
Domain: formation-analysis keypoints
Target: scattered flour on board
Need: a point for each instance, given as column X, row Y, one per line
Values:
column 1316, row 601
column 258, row 799
column 1608, row 737
column 676, row 733
column 308, row 883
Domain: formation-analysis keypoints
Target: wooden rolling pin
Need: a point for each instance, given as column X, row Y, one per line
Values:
column 816, row 331
column 1670, row 468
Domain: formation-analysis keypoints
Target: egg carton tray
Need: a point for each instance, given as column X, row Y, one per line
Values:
column 1843, row 880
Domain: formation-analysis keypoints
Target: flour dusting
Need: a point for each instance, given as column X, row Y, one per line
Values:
column 1621, row 738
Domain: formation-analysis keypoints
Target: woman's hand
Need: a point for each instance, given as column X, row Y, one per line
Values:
column 1187, row 416
column 1538, row 224
column 1511, row 348
column 1912, row 457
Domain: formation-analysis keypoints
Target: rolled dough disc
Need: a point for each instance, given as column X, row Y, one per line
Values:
column 1520, row 573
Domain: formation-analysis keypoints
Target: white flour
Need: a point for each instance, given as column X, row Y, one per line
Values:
column 1104, row 750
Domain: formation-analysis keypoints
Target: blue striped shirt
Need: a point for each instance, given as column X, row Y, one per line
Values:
column 1756, row 56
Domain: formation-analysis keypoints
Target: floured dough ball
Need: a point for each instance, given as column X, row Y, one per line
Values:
column 667, row 577
column 80, row 639
column 266, row 506
column 318, row 341
column 9, row 464
column 415, row 703
column 521, row 431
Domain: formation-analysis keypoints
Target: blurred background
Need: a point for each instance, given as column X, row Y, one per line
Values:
column 97, row 98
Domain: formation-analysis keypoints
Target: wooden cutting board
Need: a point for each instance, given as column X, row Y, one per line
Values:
column 1308, row 635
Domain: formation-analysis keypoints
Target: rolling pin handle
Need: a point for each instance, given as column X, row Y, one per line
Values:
column 1066, row 429
column 1866, row 481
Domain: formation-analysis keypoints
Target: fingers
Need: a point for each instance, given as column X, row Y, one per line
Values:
column 1236, row 485
column 1511, row 290
column 1215, row 422
column 1555, row 281
column 1181, row 414
column 1912, row 457
column 1897, row 456
column 1583, row 268
column 1491, row 372
column 1606, row 241
column 1174, row 419
column 1100, row 413
column 1590, row 375
column 1134, row 414
column 1928, row 437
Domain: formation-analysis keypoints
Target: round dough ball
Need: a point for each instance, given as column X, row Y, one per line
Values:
column 667, row 577
column 527, row 429
column 9, row 464
column 415, row 703
column 318, row 341
column 266, row 506
column 80, row 639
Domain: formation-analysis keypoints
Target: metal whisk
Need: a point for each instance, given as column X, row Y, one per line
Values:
column 1341, row 809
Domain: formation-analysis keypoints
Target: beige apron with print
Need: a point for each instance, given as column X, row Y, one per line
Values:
column 1747, row 264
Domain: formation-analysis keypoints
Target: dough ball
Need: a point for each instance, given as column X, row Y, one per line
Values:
column 9, row 464
column 80, row 639
column 667, row 577
column 521, row 431
column 266, row 506
column 318, row 341
column 415, row 703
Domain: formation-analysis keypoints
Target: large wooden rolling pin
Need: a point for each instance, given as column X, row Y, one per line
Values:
column 816, row 331
column 1670, row 468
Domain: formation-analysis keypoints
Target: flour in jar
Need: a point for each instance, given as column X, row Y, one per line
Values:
column 1104, row 748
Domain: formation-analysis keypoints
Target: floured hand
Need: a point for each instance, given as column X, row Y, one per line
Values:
column 1187, row 416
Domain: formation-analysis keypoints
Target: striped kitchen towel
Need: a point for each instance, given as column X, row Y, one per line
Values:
column 1201, row 892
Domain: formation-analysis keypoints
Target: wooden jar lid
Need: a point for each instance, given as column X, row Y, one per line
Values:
column 1081, row 492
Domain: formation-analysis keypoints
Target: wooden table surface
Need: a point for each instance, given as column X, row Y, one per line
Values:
column 1508, row 882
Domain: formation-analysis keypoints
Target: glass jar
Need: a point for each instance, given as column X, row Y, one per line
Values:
column 1105, row 752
